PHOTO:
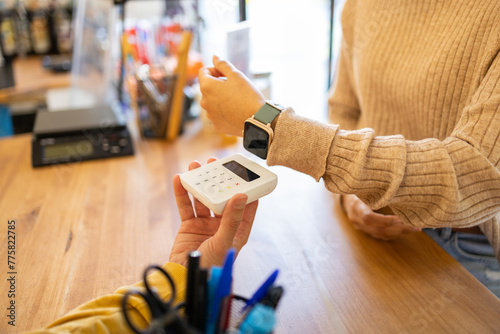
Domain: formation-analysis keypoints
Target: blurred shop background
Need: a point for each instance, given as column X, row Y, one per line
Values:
column 288, row 47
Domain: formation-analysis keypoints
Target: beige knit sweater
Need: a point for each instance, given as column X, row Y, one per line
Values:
column 417, row 103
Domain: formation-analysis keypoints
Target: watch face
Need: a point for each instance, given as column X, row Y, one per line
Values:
column 256, row 140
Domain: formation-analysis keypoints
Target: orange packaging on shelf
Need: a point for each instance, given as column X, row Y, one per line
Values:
column 194, row 65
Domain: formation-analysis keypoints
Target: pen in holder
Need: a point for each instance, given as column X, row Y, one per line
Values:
column 210, row 306
column 225, row 312
column 154, row 98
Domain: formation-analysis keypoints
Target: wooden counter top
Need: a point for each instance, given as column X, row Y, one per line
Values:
column 32, row 79
column 85, row 229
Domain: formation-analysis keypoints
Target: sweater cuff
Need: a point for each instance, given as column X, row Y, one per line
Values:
column 301, row 144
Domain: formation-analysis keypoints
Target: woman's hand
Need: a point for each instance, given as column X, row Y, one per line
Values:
column 228, row 96
column 212, row 235
column 377, row 225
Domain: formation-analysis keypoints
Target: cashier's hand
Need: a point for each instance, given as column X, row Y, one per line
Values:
column 228, row 96
column 377, row 225
column 211, row 235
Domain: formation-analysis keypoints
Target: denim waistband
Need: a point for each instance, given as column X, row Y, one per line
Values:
column 473, row 244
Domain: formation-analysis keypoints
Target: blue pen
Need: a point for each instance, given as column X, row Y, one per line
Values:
column 222, row 291
column 262, row 291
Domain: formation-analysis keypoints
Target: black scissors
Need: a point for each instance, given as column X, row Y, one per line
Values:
column 165, row 317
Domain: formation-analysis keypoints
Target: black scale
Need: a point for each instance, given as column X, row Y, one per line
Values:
column 78, row 135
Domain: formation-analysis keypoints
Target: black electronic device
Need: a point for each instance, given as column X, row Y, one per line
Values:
column 78, row 135
column 60, row 63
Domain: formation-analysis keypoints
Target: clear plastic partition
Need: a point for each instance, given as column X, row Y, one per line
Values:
column 92, row 61
column 92, row 81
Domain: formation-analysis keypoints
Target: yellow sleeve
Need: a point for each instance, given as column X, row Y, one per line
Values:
column 104, row 314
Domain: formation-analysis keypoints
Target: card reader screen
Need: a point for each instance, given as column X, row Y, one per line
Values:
column 245, row 173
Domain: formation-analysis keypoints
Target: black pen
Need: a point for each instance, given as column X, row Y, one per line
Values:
column 192, row 286
column 200, row 314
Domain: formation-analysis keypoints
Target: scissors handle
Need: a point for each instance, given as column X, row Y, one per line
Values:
column 125, row 298
column 163, row 305
column 158, row 308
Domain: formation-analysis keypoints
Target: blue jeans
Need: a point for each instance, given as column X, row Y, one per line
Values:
column 473, row 252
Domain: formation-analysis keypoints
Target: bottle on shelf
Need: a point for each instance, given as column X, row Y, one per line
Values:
column 39, row 28
column 23, row 29
column 7, row 32
column 2, row 60
column 60, row 28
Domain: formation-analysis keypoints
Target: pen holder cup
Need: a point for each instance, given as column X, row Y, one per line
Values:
column 154, row 92
column 258, row 319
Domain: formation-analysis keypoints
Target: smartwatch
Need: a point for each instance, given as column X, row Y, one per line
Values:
column 257, row 133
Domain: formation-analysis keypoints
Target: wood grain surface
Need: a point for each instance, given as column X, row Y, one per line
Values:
column 85, row 229
column 32, row 80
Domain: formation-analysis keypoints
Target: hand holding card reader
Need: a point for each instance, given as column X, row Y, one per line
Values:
column 215, row 183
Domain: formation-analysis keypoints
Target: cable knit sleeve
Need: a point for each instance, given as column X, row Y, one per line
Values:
column 454, row 182
column 427, row 183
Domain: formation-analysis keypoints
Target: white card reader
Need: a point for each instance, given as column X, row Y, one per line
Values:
column 215, row 183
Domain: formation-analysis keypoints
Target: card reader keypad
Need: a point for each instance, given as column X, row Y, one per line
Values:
column 214, row 182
